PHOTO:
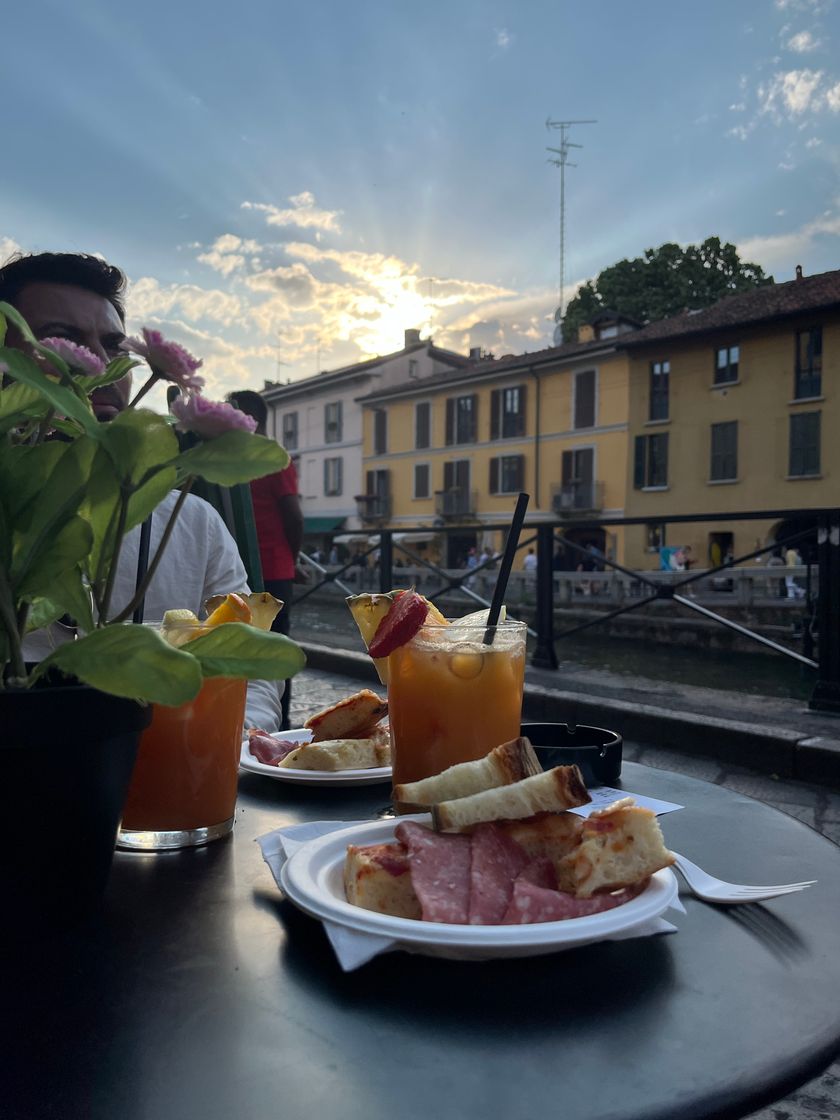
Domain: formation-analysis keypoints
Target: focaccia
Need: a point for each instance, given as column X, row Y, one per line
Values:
column 339, row 754
column 351, row 718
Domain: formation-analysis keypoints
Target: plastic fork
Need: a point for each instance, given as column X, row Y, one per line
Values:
column 718, row 890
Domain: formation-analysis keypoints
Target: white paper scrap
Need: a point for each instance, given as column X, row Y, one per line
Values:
column 603, row 796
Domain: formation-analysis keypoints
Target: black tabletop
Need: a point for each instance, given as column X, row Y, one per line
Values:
column 199, row 993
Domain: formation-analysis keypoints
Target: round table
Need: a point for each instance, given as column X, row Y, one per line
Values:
column 199, row 993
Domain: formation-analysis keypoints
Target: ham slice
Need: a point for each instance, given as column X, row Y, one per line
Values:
column 440, row 872
column 267, row 750
column 496, row 862
column 532, row 903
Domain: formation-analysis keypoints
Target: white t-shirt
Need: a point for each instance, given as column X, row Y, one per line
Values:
column 530, row 562
column 201, row 559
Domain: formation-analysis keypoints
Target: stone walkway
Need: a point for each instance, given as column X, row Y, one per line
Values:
column 816, row 805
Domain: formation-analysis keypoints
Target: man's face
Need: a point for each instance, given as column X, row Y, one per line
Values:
column 83, row 317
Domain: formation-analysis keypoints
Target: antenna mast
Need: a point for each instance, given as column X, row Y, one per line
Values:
column 561, row 160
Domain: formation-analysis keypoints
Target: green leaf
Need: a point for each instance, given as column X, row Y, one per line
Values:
column 56, row 556
column 68, row 594
column 233, row 457
column 131, row 661
column 116, row 370
column 12, row 315
column 235, row 649
column 60, row 397
column 20, row 401
column 136, row 440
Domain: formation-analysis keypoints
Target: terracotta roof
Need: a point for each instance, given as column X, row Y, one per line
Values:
column 773, row 301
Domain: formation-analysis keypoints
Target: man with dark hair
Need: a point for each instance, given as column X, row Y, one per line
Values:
column 78, row 297
column 279, row 522
column 74, row 296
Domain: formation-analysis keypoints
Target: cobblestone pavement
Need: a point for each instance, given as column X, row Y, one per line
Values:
column 815, row 805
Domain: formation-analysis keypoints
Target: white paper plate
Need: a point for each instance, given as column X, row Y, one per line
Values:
column 253, row 765
column 313, row 879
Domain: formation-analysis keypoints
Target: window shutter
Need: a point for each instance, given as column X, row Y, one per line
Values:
column 639, row 462
column 494, row 476
column 520, row 472
column 448, row 476
column 523, row 398
column 567, row 474
column 473, row 418
column 450, row 421
column 496, row 413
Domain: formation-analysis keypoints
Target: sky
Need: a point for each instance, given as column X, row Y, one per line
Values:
column 290, row 186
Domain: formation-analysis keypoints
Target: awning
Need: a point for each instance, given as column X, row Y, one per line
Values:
column 352, row 538
column 414, row 538
column 322, row 524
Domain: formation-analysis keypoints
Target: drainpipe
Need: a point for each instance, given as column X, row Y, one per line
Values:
column 537, row 387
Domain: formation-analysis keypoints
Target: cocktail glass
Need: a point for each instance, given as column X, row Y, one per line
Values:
column 453, row 696
column 183, row 789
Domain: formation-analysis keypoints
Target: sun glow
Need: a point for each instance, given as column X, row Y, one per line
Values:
column 377, row 323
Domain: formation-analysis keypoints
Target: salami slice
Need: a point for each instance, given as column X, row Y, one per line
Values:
column 267, row 750
column 536, row 904
column 496, row 862
column 440, row 872
column 539, row 873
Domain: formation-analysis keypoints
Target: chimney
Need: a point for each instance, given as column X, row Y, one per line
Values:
column 412, row 338
column 586, row 333
column 475, row 353
column 799, row 272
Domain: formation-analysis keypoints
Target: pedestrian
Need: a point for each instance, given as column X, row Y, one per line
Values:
column 530, row 561
column 793, row 560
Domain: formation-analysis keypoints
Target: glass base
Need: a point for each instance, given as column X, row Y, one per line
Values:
column 138, row 840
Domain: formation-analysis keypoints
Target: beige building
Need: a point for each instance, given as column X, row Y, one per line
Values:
column 456, row 449
column 731, row 409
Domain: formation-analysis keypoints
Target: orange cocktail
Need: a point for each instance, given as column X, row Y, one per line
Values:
column 452, row 697
column 183, row 790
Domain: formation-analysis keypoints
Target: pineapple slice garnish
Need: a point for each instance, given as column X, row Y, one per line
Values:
column 368, row 610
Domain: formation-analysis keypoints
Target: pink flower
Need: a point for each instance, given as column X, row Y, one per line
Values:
column 167, row 359
column 209, row 419
column 78, row 358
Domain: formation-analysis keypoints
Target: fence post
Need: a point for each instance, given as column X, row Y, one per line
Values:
column 545, row 656
column 826, row 694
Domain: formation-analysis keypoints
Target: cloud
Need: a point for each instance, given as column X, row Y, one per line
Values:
column 303, row 213
column 503, row 38
column 803, row 42
column 784, row 250
column 147, row 297
column 791, row 94
column 8, row 247
column 228, row 253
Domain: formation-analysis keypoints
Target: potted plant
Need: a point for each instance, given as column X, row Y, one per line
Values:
column 71, row 488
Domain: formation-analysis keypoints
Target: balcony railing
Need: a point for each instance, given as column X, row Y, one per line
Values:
column 578, row 497
column 373, row 507
column 455, row 503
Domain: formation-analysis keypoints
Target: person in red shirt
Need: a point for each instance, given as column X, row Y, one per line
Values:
column 279, row 521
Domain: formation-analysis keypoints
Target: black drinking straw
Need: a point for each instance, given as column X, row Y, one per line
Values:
column 504, row 568
column 142, row 565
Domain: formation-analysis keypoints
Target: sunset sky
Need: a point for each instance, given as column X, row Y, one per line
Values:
column 290, row 186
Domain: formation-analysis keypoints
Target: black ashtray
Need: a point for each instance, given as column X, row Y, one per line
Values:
column 595, row 750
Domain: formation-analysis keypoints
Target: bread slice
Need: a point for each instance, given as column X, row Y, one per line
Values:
column 351, row 718
column 339, row 754
column 377, row 877
column 551, row 835
column 551, row 790
column 507, row 763
column 620, row 845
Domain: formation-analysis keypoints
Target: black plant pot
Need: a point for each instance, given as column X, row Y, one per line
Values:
column 66, row 757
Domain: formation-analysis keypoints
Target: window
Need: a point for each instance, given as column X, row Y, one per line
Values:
column 726, row 364
column 654, row 536
column 423, row 425
column 412, row 368
column 660, row 375
column 290, row 431
column 332, row 422
column 577, row 490
column 650, row 467
column 462, row 419
column 808, row 381
column 380, row 431
column 804, row 444
column 724, row 457
column 507, row 474
column 585, row 399
column 376, row 501
column 332, row 476
column 507, row 412
column 421, row 480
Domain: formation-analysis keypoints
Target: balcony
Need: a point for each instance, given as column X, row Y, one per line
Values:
column 455, row 503
column 574, row 498
column 373, row 508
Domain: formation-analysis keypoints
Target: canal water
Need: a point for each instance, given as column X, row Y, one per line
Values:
column 757, row 674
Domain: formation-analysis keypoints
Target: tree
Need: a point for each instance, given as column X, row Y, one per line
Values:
column 663, row 282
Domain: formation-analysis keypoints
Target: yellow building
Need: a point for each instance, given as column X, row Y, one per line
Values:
column 455, row 449
column 732, row 409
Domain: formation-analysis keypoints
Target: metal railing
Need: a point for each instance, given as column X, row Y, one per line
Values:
column 577, row 497
column 634, row 590
column 455, row 503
